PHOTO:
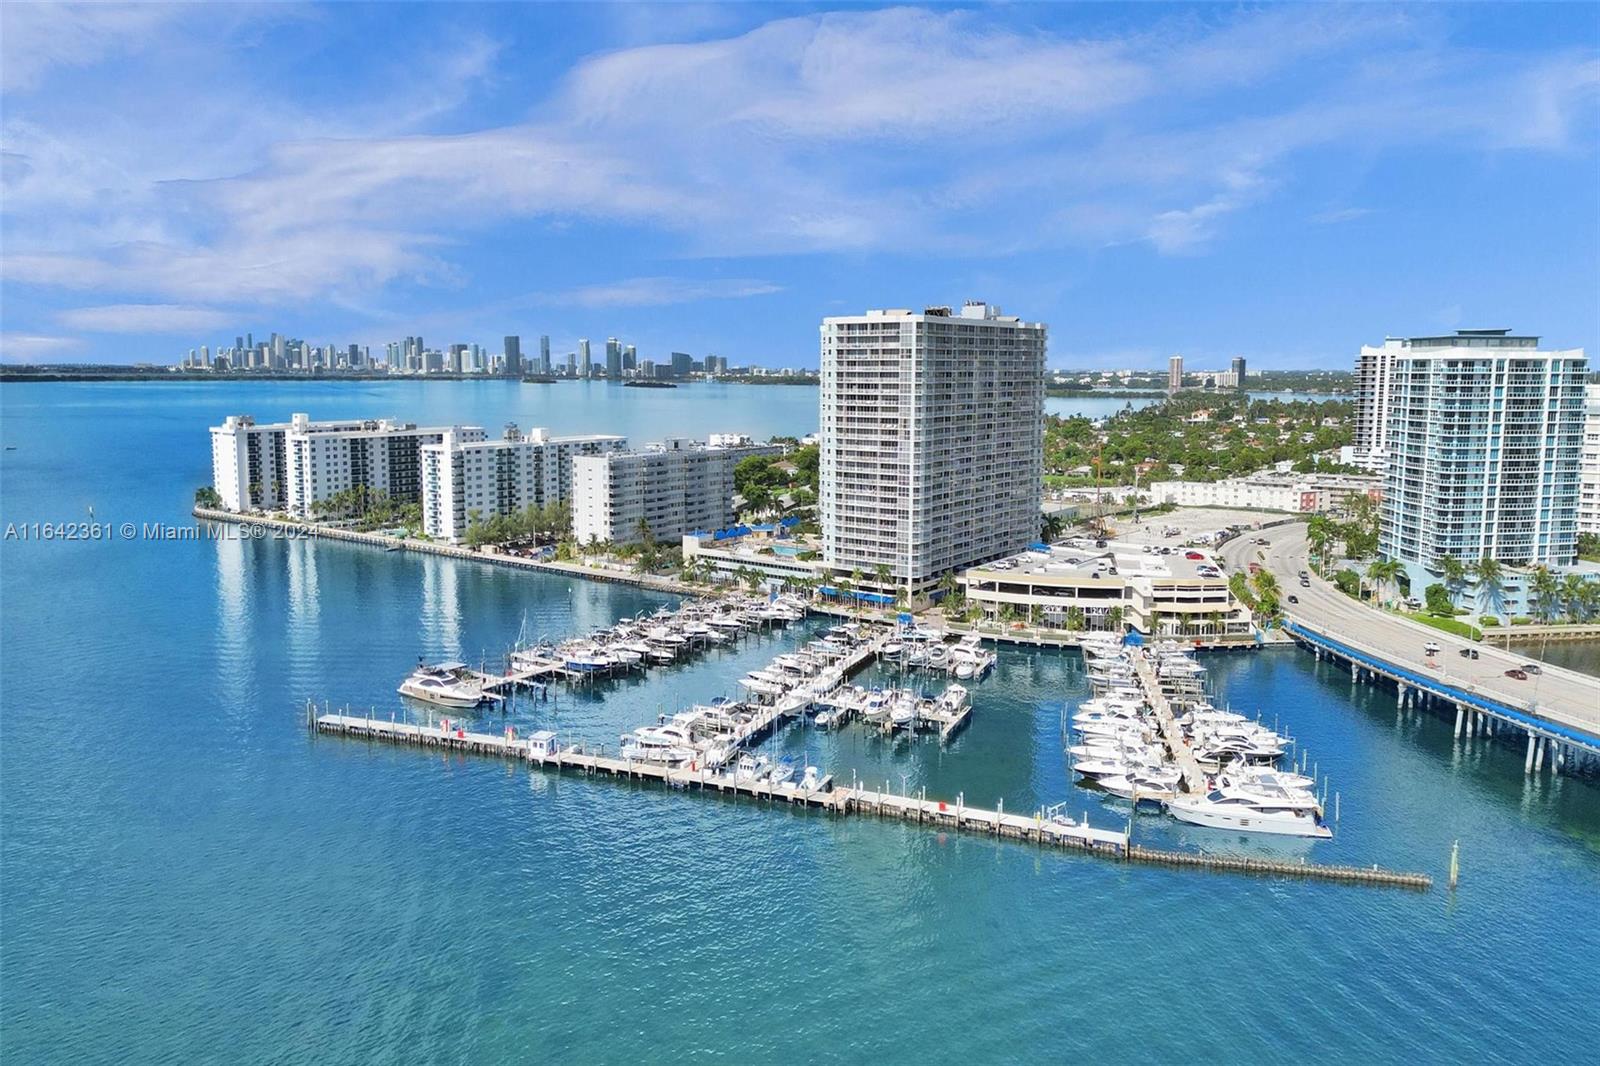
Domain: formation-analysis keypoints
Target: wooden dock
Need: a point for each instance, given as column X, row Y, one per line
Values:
column 1194, row 779
column 1032, row 828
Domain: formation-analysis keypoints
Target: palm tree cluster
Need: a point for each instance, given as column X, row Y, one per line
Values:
column 536, row 523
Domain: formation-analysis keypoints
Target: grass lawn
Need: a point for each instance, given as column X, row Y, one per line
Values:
column 1449, row 625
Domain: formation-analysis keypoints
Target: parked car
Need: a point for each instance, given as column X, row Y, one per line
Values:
column 1520, row 675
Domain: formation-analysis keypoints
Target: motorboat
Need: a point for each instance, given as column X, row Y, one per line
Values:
column 1247, row 815
column 670, row 744
column 902, row 710
column 444, row 685
column 1137, row 787
column 811, row 780
column 876, row 707
column 587, row 659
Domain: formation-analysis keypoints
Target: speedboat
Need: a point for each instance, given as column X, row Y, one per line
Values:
column 902, row 710
column 876, row 707
column 1247, row 815
column 444, row 685
column 670, row 744
column 811, row 780
column 587, row 659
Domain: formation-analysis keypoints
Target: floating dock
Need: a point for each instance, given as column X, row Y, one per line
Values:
column 1193, row 777
column 539, row 751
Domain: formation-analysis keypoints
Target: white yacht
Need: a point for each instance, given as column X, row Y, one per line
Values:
column 1247, row 815
column 670, row 744
column 444, row 685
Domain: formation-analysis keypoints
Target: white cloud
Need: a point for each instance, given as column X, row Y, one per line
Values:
column 656, row 292
column 907, row 130
column 146, row 318
column 42, row 36
column 28, row 347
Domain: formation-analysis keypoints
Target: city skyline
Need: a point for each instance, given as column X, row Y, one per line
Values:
column 566, row 193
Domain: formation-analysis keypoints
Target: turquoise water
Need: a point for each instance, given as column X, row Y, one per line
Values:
column 186, row 874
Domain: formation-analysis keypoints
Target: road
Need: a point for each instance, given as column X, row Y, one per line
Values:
column 1561, row 695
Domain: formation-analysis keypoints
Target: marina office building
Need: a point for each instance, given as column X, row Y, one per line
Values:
column 1483, row 437
column 932, row 442
column 1112, row 587
column 292, row 465
column 475, row 480
column 676, row 486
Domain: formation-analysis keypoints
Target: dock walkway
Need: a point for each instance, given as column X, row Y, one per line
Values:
column 1031, row 828
column 1194, row 778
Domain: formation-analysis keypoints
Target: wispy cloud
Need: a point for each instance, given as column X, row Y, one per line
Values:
column 146, row 318
column 30, row 347
column 657, row 292
column 1336, row 215
column 904, row 130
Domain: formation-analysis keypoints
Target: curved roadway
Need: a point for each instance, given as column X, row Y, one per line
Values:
column 1558, row 694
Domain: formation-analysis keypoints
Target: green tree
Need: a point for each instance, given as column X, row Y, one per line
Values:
column 1383, row 573
column 1438, row 601
column 1490, row 576
column 1454, row 572
column 206, row 496
column 1545, row 588
column 1575, row 590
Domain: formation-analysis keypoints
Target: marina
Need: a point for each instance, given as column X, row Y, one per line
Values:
column 1038, row 827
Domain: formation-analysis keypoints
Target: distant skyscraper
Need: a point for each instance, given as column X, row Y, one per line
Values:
column 572, row 365
column 514, row 356
column 1238, row 371
column 613, row 359
column 1374, row 377
column 585, row 364
column 682, row 363
column 630, row 358
column 1175, row 373
column 544, row 355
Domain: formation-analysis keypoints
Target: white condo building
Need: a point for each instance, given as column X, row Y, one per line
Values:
column 932, row 440
column 1374, row 373
column 377, row 454
column 676, row 486
column 293, row 465
column 1589, row 472
column 1484, row 433
column 475, row 480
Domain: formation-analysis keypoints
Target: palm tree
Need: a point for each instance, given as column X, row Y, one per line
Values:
column 1490, row 577
column 1575, row 592
column 882, row 574
column 1383, row 572
column 1454, row 572
column 1319, row 538
column 1546, row 589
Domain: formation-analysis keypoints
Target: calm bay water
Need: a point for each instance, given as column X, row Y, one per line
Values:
column 186, row 874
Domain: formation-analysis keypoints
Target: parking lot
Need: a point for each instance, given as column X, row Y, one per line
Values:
column 1189, row 523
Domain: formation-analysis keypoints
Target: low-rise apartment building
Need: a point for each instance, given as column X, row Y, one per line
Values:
column 468, row 481
column 1181, row 594
column 1294, row 493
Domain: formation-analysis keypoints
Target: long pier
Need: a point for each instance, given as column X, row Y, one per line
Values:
column 1032, row 828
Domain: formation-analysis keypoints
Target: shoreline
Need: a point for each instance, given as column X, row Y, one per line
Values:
column 1026, row 637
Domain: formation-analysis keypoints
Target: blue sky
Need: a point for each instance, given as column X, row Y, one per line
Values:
column 1279, row 182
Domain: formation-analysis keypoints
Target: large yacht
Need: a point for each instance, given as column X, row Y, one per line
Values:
column 444, row 685
column 1247, row 814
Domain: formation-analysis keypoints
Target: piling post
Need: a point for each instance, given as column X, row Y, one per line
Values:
column 1460, row 720
column 1538, row 754
column 1527, row 764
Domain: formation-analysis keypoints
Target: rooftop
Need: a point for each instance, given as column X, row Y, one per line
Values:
column 1082, row 559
